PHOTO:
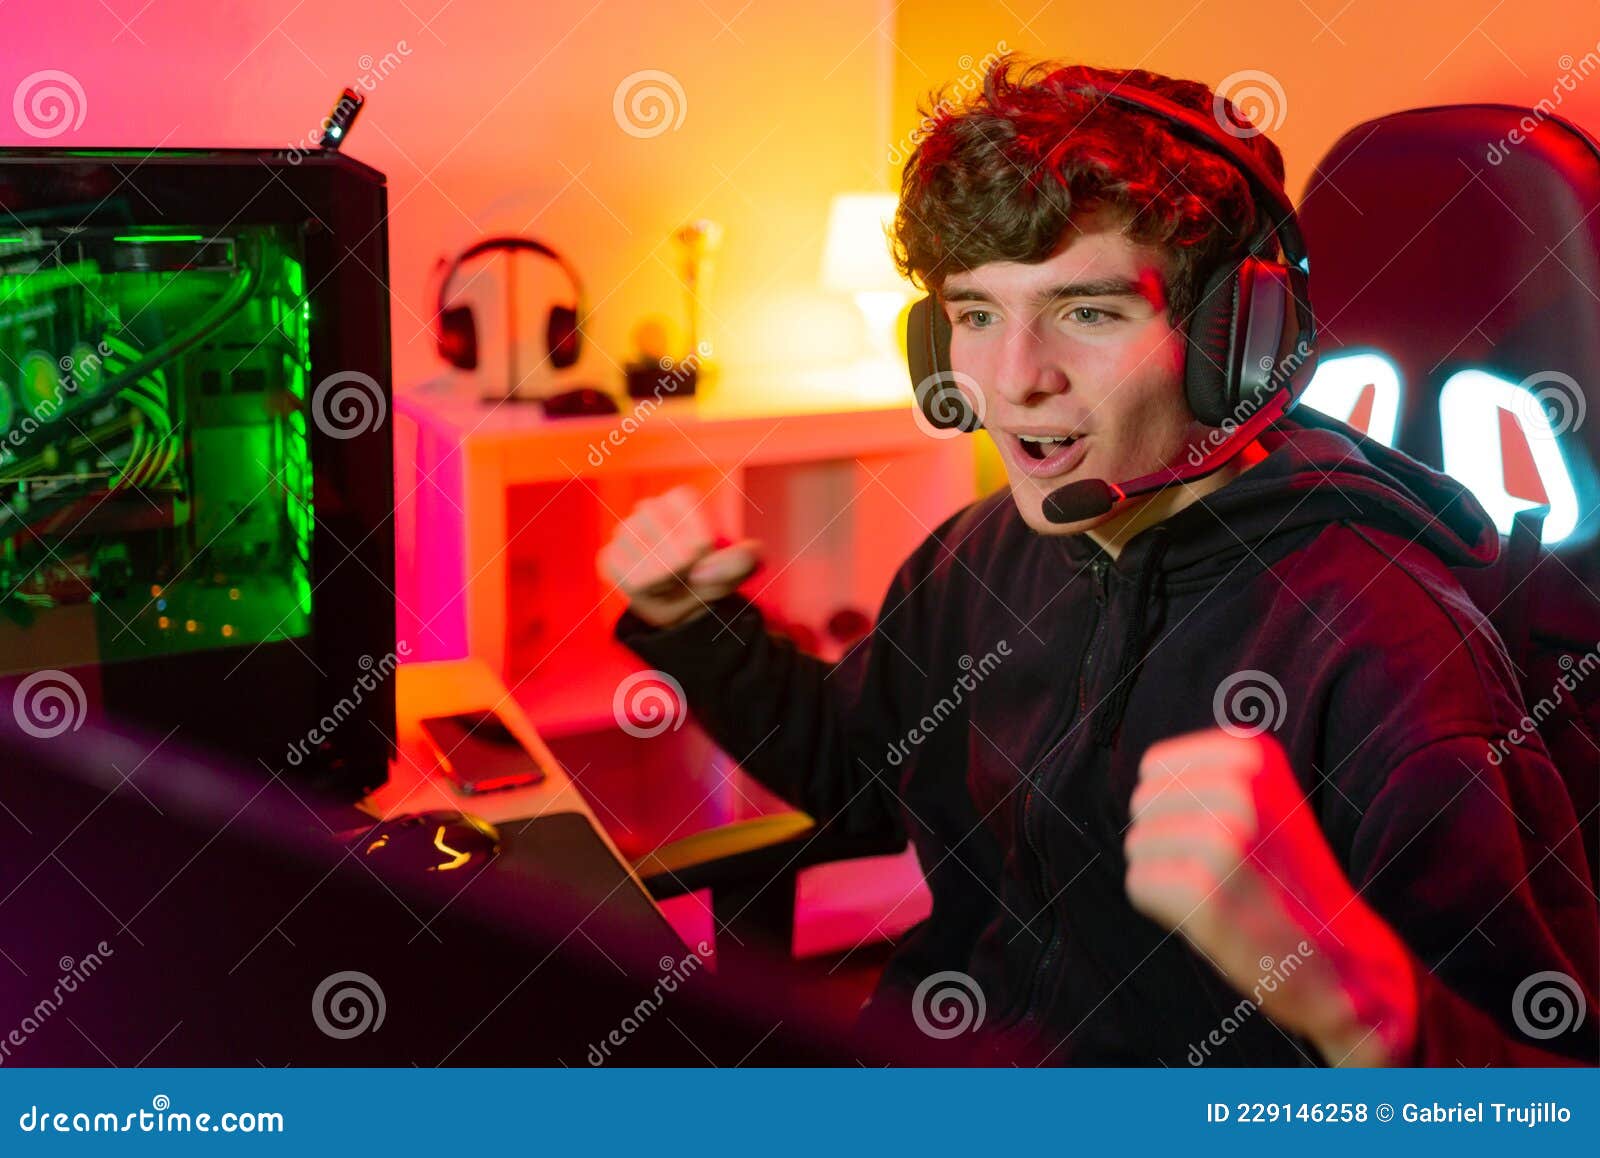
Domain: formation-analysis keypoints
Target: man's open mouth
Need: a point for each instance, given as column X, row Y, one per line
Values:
column 1040, row 448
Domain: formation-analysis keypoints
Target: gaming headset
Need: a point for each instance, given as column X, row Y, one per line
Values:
column 457, row 335
column 1235, row 377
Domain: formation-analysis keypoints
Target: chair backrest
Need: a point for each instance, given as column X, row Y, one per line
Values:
column 1455, row 256
column 1455, row 271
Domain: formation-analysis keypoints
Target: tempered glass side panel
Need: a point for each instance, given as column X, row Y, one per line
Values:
column 155, row 482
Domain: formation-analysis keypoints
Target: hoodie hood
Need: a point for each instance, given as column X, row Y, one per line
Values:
column 1317, row 471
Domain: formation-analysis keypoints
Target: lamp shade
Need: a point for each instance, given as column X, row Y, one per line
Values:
column 855, row 258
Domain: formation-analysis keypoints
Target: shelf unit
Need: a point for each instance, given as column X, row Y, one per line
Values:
column 501, row 512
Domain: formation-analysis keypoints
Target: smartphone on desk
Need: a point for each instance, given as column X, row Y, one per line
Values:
column 477, row 753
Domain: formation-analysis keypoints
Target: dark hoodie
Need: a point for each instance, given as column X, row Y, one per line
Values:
column 999, row 711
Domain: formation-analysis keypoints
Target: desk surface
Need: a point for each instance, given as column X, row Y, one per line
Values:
column 466, row 685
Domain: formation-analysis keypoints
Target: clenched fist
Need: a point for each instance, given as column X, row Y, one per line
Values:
column 1224, row 848
column 664, row 557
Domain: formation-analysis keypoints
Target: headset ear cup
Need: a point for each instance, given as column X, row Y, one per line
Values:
column 919, row 345
column 562, row 337
column 1208, row 377
column 1274, row 297
column 458, row 337
column 942, row 402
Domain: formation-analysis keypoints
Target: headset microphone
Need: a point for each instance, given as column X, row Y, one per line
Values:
column 1092, row 497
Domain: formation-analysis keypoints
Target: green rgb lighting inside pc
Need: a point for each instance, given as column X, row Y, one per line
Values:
column 155, row 480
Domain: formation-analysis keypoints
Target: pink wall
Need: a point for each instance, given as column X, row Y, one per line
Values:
column 498, row 114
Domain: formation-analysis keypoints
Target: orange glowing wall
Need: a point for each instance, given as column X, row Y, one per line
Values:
column 1338, row 62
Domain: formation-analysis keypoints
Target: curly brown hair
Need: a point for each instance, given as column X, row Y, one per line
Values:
column 1001, row 176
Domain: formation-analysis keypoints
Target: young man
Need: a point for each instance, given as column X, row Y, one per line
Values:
column 1127, row 862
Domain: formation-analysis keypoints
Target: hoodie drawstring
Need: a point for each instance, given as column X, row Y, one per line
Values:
column 1109, row 718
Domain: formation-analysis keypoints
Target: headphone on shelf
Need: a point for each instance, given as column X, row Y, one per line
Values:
column 457, row 335
column 1250, row 310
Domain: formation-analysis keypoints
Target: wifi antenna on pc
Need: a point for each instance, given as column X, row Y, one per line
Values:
column 337, row 125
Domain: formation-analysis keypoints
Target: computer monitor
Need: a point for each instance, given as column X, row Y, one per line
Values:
column 196, row 482
column 159, row 909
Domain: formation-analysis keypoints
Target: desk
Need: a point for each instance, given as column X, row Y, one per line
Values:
column 466, row 685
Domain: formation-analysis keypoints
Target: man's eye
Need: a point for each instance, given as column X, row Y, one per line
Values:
column 975, row 319
column 1090, row 316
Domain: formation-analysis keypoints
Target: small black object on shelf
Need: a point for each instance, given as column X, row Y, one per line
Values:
column 652, row 380
column 582, row 402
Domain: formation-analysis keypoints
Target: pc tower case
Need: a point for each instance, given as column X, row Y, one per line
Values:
column 196, row 484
